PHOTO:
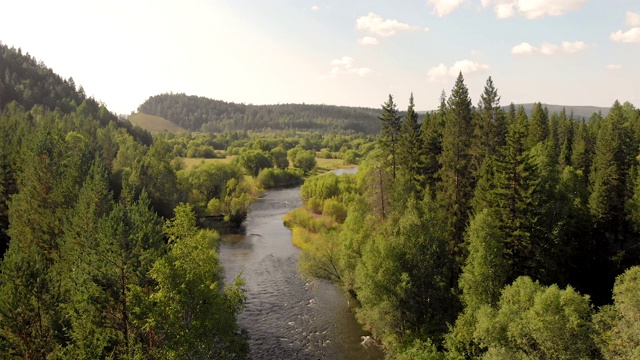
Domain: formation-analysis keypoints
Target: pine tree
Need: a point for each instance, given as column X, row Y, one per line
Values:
column 538, row 129
column 609, row 172
column 410, row 149
column 565, row 137
column 489, row 127
column 456, row 186
column 431, row 139
column 582, row 149
column 390, row 134
column 516, row 201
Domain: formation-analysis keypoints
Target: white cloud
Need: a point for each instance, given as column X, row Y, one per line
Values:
column 614, row 67
column 630, row 36
column 566, row 47
column 573, row 47
column 344, row 61
column 368, row 40
column 549, row 49
column 363, row 71
column 504, row 11
column 532, row 9
column 377, row 25
column 426, row 29
column 444, row 7
column 315, row 8
column 344, row 65
column 632, row 19
column 523, row 49
column 443, row 72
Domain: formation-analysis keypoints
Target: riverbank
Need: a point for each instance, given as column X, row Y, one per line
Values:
column 287, row 316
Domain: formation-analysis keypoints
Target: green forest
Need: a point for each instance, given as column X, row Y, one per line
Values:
column 196, row 113
column 102, row 257
column 468, row 232
column 484, row 233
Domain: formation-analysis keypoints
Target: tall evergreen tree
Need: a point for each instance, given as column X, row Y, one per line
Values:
column 431, row 139
column 609, row 173
column 390, row 134
column 489, row 127
column 538, row 129
column 582, row 149
column 516, row 201
column 410, row 149
column 456, row 186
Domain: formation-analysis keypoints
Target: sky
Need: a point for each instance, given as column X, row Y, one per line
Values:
column 336, row 52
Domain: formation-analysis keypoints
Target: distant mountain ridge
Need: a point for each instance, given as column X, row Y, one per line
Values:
column 578, row 111
column 196, row 113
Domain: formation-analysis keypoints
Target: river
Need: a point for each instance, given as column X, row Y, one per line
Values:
column 288, row 316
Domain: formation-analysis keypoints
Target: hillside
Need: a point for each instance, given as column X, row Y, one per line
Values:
column 196, row 113
column 29, row 82
column 153, row 123
column 578, row 111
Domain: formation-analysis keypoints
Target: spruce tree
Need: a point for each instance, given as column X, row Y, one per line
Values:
column 456, row 186
column 538, row 129
column 582, row 149
column 489, row 127
column 410, row 149
column 431, row 139
column 609, row 172
column 516, row 200
column 390, row 134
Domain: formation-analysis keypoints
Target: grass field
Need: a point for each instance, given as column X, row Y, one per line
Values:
column 325, row 165
column 153, row 123
column 191, row 162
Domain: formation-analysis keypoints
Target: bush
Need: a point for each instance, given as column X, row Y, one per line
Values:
column 335, row 210
column 314, row 205
column 270, row 178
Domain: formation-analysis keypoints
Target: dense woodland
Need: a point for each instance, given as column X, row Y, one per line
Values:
column 484, row 233
column 103, row 257
column 196, row 113
column 474, row 232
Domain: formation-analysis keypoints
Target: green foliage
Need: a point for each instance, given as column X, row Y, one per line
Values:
column 390, row 134
column 410, row 150
column 618, row 326
column 321, row 187
column 335, row 210
column 538, row 127
column 275, row 178
column 279, row 155
column 421, row 350
column 192, row 313
column 196, row 113
column 403, row 278
column 456, row 186
column 254, row 161
column 532, row 321
column 305, row 161
column 485, row 272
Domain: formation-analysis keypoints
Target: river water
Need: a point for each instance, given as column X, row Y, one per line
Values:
column 288, row 316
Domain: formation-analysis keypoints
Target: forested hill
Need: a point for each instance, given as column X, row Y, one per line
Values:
column 98, row 257
column 578, row 111
column 30, row 83
column 196, row 113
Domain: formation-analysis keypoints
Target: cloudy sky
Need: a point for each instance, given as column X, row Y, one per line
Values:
column 355, row 52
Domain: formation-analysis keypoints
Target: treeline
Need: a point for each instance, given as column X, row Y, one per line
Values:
column 30, row 82
column 483, row 233
column 95, row 265
column 101, row 257
column 196, row 113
